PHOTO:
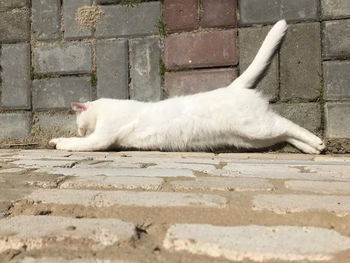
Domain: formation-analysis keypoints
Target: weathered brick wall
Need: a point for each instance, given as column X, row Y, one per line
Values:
column 54, row 52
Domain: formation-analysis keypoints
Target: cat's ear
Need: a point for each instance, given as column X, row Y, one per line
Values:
column 79, row 107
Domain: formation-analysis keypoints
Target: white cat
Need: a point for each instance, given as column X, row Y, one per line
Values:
column 231, row 116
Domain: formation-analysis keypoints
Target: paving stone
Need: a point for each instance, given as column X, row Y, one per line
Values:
column 63, row 59
column 43, row 154
column 72, row 29
column 307, row 115
column 300, row 66
column 126, row 198
column 319, row 187
column 121, row 172
column 180, row 15
column 46, row 19
column 112, row 69
column 276, row 171
column 220, row 13
column 4, row 4
column 15, row 76
column 288, row 203
column 201, row 49
column 108, row 182
column 11, row 170
column 250, row 40
column 62, row 260
column 58, row 122
column 59, row 93
column 191, row 82
column 108, row 163
column 196, row 164
column 336, row 169
column 139, row 20
column 335, row 8
column 37, row 232
column 336, row 38
column 266, row 157
column 43, row 163
column 172, row 157
column 337, row 120
column 336, row 80
column 192, row 166
column 332, row 159
column 266, row 11
column 15, row 125
column 257, row 243
column 224, row 184
column 145, row 55
column 14, row 26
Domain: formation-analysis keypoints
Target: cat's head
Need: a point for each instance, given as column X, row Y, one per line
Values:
column 86, row 120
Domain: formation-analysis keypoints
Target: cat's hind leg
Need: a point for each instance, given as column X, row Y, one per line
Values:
column 303, row 135
column 274, row 128
column 303, row 146
column 299, row 136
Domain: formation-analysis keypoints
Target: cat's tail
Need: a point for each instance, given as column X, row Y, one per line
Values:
column 263, row 59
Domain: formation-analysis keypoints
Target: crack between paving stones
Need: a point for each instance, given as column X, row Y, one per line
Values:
column 62, row 180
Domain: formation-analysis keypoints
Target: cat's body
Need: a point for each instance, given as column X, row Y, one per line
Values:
column 231, row 116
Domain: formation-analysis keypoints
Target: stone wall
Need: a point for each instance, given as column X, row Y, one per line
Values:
column 54, row 52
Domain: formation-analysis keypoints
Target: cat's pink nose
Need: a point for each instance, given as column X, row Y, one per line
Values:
column 52, row 143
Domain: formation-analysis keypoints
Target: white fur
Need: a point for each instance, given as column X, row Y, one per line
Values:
column 231, row 116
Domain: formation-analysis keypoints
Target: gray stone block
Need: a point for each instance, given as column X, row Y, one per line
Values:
column 46, row 19
column 250, row 40
column 300, row 10
column 300, row 63
column 337, row 120
column 72, row 30
column 336, row 80
column 145, row 78
column 335, row 8
column 62, row 122
column 59, row 93
column 336, row 38
column 4, row 4
column 14, row 26
column 267, row 11
column 307, row 115
column 15, row 125
column 112, row 69
column 123, row 21
column 63, row 59
column 15, row 75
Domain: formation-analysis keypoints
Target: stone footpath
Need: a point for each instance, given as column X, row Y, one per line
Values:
column 173, row 207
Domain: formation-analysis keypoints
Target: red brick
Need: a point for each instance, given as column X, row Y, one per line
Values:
column 194, row 81
column 200, row 50
column 219, row 13
column 180, row 15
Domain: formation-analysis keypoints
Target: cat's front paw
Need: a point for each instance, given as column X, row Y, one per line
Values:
column 61, row 143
